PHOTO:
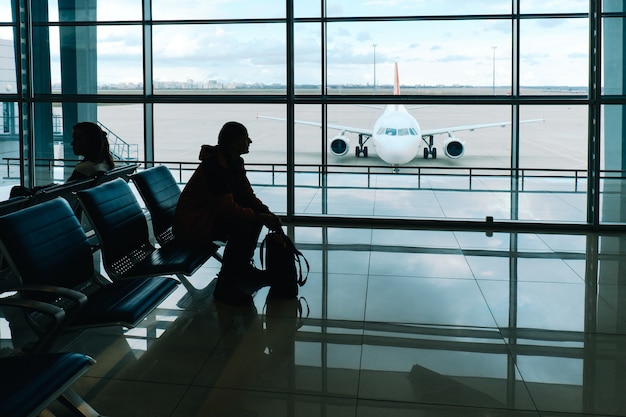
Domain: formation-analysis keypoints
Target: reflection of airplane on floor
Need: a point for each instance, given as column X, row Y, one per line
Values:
column 397, row 136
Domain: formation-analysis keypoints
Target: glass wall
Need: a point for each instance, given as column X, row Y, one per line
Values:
column 442, row 111
column 225, row 58
column 554, row 55
column 434, row 56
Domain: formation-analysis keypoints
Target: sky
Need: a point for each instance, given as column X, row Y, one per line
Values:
column 462, row 52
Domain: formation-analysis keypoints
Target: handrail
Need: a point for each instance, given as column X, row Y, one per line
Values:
column 119, row 148
column 277, row 169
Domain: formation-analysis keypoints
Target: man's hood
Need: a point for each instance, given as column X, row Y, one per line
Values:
column 206, row 151
column 215, row 151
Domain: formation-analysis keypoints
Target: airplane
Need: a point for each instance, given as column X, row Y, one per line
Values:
column 397, row 136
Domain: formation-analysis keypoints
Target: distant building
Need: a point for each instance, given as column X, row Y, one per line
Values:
column 8, row 85
column 7, row 67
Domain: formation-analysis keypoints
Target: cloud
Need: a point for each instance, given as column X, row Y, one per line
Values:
column 426, row 48
column 533, row 59
column 335, row 34
column 363, row 36
column 455, row 58
column 578, row 55
column 116, row 42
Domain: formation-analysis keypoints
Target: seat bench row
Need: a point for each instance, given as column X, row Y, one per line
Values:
column 48, row 250
column 67, row 190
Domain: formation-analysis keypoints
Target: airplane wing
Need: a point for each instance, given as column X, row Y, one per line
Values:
column 444, row 130
column 350, row 129
column 373, row 106
column 425, row 132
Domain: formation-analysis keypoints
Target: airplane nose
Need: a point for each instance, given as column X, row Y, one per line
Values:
column 395, row 154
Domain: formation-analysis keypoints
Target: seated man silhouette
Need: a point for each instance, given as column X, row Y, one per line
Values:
column 218, row 203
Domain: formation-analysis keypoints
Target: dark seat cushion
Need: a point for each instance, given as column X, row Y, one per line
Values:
column 31, row 382
column 125, row 302
column 173, row 259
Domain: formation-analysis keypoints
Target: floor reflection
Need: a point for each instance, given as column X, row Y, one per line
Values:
column 390, row 322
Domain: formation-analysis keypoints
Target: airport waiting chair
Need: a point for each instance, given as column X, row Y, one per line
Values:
column 46, row 246
column 31, row 383
column 160, row 192
column 122, row 229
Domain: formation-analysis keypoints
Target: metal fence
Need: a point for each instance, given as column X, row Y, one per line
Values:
column 373, row 177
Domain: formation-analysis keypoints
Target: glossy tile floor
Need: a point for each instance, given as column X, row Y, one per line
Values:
column 390, row 323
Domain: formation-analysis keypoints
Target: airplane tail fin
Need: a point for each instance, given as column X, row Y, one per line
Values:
column 396, row 83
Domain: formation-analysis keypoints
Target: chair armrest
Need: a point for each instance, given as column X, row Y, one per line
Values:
column 69, row 300
column 56, row 313
column 77, row 298
column 54, row 320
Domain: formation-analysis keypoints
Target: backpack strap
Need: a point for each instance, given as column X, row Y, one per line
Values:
column 297, row 256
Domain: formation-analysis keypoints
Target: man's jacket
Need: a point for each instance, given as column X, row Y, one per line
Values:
column 218, row 192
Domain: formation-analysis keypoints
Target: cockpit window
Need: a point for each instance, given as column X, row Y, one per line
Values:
column 403, row 132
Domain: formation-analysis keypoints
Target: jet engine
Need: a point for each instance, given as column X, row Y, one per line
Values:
column 339, row 145
column 453, row 147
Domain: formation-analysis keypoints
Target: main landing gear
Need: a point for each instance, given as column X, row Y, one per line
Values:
column 429, row 149
column 361, row 148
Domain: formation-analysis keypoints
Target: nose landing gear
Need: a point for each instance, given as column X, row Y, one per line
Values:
column 429, row 149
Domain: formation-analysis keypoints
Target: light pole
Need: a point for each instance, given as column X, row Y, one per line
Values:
column 493, row 71
column 374, row 45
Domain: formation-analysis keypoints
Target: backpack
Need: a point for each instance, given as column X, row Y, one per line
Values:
column 284, row 265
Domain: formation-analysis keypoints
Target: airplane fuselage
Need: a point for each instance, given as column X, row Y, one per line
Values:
column 396, row 135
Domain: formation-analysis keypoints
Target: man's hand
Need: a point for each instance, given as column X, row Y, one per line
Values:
column 271, row 221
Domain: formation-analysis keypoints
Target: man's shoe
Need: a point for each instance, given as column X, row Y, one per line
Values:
column 227, row 292
column 252, row 273
column 252, row 279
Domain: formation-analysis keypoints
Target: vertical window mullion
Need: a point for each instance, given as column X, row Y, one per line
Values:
column 290, row 29
column 148, row 88
column 515, row 92
column 595, row 93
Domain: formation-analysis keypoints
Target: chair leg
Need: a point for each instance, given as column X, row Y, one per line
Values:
column 216, row 254
column 76, row 403
column 194, row 294
column 193, row 291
